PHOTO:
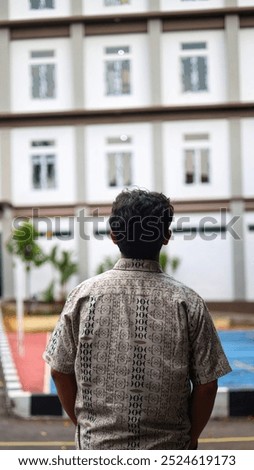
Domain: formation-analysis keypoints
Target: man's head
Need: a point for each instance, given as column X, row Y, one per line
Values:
column 140, row 223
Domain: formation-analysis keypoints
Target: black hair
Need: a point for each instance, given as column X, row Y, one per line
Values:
column 140, row 222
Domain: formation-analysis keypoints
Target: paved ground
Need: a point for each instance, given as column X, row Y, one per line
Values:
column 16, row 433
column 30, row 365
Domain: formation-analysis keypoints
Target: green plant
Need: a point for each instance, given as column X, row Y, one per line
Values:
column 62, row 262
column 175, row 261
column 48, row 294
column 23, row 245
column 166, row 260
column 106, row 264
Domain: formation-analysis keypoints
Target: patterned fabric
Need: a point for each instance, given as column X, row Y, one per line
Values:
column 135, row 338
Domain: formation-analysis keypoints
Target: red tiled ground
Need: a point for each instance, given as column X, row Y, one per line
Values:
column 30, row 366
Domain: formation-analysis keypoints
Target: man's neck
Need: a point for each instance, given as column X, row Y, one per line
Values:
column 155, row 258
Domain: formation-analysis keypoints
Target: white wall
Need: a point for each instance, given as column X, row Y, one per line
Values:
column 171, row 5
column 97, row 7
column 95, row 83
column 249, row 255
column 246, row 64
column 96, row 161
column 247, row 132
column 21, row 84
column 99, row 247
column 245, row 3
column 22, row 191
column 21, row 9
column 173, row 165
column 1, row 169
column 206, row 264
column 171, row 67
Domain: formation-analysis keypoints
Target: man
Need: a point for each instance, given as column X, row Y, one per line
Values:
column 135, row 356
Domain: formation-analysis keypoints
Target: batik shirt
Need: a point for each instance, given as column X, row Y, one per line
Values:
column 137, row 341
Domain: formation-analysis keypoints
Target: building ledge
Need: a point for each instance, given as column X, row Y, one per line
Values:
column 222, row 110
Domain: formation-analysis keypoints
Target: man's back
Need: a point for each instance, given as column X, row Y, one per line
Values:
column 135, row 339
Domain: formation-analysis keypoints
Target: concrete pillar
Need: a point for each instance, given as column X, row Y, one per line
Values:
column 237, row 209
column 77, row 45
column 232, row 28
column 5, row 167
column 7, row 260
column 158, row 181
column 81, row 241
column 154, row 31
column 80, row 163
column 235, row 154
column 231, row 3
column 76, row 7
column 154, row 5
column 4, row 10
column 5, row 71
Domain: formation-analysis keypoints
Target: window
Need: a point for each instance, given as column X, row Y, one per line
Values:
column 196, row 158
column 41, row 4
column 119, row 156
column 43, row 165
column 194, row 67
column 43, row 74
column 117, row 71
column 108, row 3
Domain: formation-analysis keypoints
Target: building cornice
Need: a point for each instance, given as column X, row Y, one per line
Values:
column 139, row 114
column 127, row 23
column 100, row 208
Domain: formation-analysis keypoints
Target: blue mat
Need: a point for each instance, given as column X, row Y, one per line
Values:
column 239, row 348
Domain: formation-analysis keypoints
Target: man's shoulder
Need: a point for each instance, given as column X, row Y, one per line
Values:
column 87, row 286
column 180, row 289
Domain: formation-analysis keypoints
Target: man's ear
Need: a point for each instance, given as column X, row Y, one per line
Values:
column 113, row 237
column 167, row 238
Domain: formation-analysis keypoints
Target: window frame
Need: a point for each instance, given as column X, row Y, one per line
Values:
column 197, row 146
column 118, row 3
column 117, row 150
column 41, row 6
column 192, row 54
column 43, row 58
column 117, row 57
column 43, row 156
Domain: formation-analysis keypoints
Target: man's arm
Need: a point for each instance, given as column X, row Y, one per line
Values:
column 202, row 401
column 66, row 386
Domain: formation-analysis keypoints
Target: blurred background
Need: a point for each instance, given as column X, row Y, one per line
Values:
column 101, row 95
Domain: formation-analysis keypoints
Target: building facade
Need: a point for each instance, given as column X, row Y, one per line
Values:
column 99, row 95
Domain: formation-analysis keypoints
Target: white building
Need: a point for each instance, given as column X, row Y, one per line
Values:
column 98, row 95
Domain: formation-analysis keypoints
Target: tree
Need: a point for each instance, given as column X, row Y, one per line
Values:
column 23, row 245
column 166, row 260
column 106, row 264
column 64, row 265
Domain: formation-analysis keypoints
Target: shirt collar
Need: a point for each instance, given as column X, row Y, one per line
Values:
column 131, row 264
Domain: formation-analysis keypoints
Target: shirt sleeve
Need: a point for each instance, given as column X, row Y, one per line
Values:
column 61, row 349
column 207, row 358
